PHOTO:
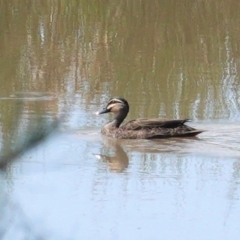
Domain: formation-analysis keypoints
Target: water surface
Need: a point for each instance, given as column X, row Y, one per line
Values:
column 62, row 61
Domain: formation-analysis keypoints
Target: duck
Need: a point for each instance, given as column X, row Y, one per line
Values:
column 142, row 128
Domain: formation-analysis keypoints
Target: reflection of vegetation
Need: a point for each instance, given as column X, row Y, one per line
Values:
column 170, row 59
column 174, row 59
column 177, row 56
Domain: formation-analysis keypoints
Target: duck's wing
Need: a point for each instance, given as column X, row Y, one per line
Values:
column 143, row 123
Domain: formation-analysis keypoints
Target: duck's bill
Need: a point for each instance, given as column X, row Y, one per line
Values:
column 105, row 110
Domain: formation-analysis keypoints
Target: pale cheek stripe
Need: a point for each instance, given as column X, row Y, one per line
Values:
column 116, row 100
column 110, row 106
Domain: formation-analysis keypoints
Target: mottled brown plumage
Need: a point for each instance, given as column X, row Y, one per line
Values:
column 142, row 128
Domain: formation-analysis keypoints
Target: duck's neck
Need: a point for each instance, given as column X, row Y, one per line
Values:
column 119, row 119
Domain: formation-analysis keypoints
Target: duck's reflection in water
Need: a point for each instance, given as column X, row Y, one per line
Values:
column 117, row 162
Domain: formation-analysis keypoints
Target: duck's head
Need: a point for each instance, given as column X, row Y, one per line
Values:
column 116, row 105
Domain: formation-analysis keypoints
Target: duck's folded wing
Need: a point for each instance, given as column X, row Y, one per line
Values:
column 153, row 123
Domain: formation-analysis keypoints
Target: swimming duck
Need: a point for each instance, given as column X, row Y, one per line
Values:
column 142, row 128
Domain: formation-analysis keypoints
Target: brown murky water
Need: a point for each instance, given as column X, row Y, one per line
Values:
column 64, row 60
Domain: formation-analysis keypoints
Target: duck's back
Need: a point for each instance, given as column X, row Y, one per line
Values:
column 154, row 129
column 143, row 123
